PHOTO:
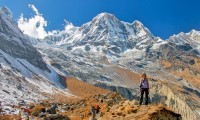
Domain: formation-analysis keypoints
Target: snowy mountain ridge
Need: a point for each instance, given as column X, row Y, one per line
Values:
column 106, row 33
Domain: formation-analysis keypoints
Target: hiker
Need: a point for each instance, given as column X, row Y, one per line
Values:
column 97, row 109
column 27, row 111
column 144, row 88
column 93, row 112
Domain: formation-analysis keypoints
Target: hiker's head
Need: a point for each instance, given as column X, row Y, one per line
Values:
column 144, row 75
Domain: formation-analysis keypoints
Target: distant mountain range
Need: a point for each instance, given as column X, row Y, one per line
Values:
column 106, row 53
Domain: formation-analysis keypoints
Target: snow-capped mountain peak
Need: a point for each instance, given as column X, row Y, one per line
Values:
column 195, row 35
column 141, row 30
column 104, row 16
column 9, row 26
column 138, row 24
column 5, row 10
column 105, row 20
column 193, row 31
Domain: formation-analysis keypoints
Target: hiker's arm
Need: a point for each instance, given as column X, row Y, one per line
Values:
column 148, row 85
column 140, row 85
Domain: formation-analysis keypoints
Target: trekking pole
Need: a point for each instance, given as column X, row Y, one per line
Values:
column 149, row 99
column 138, row 95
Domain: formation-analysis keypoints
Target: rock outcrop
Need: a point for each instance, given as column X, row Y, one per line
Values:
column 125, row 92
column 113, row 107
column 164, row 94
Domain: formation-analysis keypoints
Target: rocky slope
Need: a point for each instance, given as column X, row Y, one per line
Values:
column 112, row 105
column 24, row 75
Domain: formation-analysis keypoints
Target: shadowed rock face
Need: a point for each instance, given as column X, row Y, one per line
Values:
column 164, row 114
column 125, row 92
column 14, row 43
column 29, row 53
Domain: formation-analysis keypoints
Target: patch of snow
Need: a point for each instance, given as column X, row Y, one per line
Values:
column 134, row 54
column 158, row 43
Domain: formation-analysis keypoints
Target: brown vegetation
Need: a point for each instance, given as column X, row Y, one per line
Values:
column 82, row 89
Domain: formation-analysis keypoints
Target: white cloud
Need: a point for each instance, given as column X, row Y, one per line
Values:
column 33, row 26
column 68, row 25
column 34, row 9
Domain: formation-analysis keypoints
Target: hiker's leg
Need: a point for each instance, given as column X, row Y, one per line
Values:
column 141, row 96
column 146, row 96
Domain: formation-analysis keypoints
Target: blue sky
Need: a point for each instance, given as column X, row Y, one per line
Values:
column 163, row 17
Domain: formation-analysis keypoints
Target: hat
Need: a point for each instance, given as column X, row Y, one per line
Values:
column 143, row 73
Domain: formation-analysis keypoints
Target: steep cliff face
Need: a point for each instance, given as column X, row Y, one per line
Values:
column 173, row 99
column 23, row 73
column 125, row 92
column 15, row 43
